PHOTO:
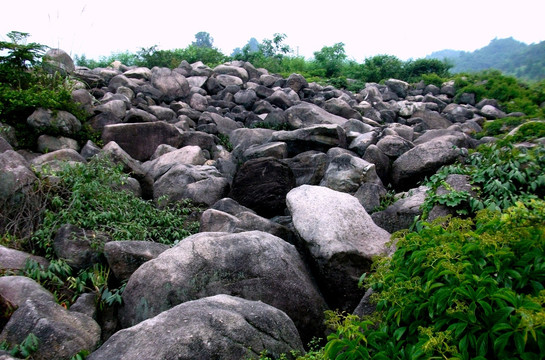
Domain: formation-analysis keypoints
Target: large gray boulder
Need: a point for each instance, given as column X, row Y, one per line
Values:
column 63, row 122
column 262, row 184
column 229, row 216
column 216, row 327
column 307, row 114
column 308, row 167
column 421, row 161
column 316, row 137
column 253, row 265
column 61, row 333
column 338, row 106
column 124, row 257
column 80, row 248
column 346, row 173
column 15, row 174
column 13, row 260
column 57, row 60
column 190, row 154
column 141, row 139
column 340, row 238
column 172, row 85
column 401, row 214
column 201, row 183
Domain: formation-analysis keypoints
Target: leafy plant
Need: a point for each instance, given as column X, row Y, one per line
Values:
column 87, row 197
column 502, row 174
column 25, row 350
column 458, row 289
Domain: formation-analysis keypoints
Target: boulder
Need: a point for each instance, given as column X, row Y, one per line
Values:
column 215, row 220
column 277, row 150
column 18, row 289
column 124, row 257
column 47, row 143
column 57, row 157
column 13, row 260
column 4, row 145
column 45, row 121
column 457, row 113
column 130, row 166
column 381, row 161
column 281, row 99
column 201, row 183
column 140, row 140
column 237, row 71
column 80, row 248
column 57, row 60
column 307, row 114
column 401, row 214
column 308, row 167
column 369, row 195
column 142, row 73
column 421, row 161
column 262, row 184
column 172, row 85
column 346, row 173
column 220, row 326
column 61, row 334
column 398, row 87
column 393, row 146
column 317, row 137
column 432, row 119
column 360, row 144
column 490, row 112
column 191, row 154
column 15, row 174
column 253, row 265
column 338, row 106
column 340, row 238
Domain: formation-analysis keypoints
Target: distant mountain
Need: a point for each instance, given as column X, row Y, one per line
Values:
column 507, row 55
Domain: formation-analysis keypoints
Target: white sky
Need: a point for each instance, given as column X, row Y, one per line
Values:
column 404, row 28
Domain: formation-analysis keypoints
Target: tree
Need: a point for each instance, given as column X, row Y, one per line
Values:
column 275, row 47
column 19, row 57
column 331, row 58
column 203, row 39
column 382, row 67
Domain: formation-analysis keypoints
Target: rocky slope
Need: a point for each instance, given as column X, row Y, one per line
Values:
column 287, row 231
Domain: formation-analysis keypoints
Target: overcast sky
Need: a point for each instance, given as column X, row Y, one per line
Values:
column 404, row 28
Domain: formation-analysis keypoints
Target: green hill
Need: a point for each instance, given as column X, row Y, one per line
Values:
column 507, row 55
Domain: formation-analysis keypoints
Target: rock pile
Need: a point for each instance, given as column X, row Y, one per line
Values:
column 287, row 232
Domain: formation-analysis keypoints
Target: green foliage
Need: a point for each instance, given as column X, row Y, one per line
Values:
column 510, row 56
column 331, row 58
column 501, row 126
column 529, row 131
column 24, row 350
column 457, row 289
column 382, row 67
column 87, row 196
column 414, row 70
column 501, row 173
column 513, row 95
column 24, row 87
column 203, row 39
column 225, row 142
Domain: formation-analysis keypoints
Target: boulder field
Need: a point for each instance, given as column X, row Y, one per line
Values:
column 289, row 173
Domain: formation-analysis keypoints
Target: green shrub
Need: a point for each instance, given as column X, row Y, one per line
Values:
column 87, row 196
column 456, row 289
column 529, row 131
column 502, row 174
column 501, row 126
column 24, row 87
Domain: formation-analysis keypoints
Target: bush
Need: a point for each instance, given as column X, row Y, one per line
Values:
column 88, row 196
column 457, row 289
column 502, row 174
column 24, row 87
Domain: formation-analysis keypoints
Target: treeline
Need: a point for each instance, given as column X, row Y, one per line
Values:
column 512, row 57
column 330, row 65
